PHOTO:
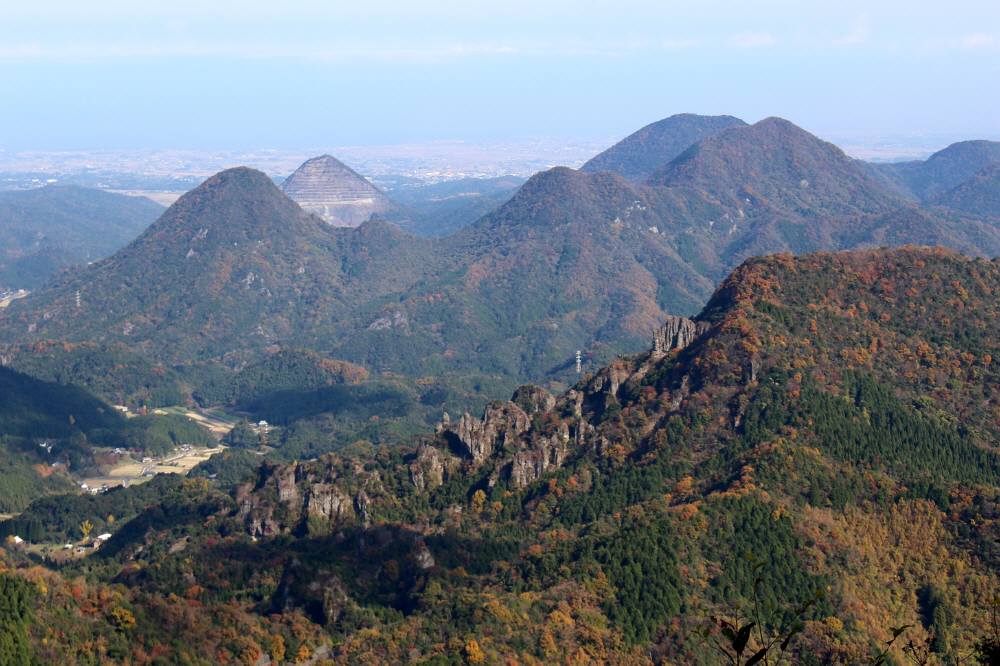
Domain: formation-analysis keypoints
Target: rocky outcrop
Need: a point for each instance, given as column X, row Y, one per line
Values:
column 329, row 503
column 543, row 454
column 514, row 436
column 478, row 439
column 323, row 495
column 429, row 467
column 676, row 333
column 333, row 191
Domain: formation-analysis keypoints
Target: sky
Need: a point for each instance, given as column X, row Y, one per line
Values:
column 296, row 74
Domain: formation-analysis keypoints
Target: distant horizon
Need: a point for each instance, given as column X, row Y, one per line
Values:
column 307, row 73
column 445, row 159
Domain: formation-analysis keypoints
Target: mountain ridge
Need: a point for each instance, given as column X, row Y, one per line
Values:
column 946, row 169
column 819, row 443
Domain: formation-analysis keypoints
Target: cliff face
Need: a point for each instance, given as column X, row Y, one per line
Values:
column 677, row 333
column 336, row 193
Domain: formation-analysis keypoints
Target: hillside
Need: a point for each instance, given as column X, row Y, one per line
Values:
column 327, row 187
column 45, row 230
column 43, row 429
column 640, row 154
column 49, row 431
column 816, row 448
column 979, row 195
column 946, row 169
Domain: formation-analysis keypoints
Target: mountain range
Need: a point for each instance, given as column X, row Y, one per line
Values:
column 814, row 453
column 45, row 230
column 573, row 261
column 784, row 458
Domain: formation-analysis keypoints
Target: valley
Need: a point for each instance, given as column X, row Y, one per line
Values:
column 131, row 471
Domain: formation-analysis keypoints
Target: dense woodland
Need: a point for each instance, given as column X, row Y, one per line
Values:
column 820, row 461
column 46, row 230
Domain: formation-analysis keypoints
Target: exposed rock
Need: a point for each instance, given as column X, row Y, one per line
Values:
column 284, row 479
column 330, row 189
column 327, row 493
column 321, row 592
column 609, row 379
column 480, row 438
column 361, row 504
column 677, row 397
column 427, row 471
column 676, row 333
column 330, row 503
column 422, row 555
column 544, row 454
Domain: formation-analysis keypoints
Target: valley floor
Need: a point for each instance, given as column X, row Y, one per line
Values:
column 182, row 461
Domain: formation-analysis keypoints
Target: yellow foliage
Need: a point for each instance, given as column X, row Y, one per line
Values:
column 277, row 648
column 473, row 653
column 478, row 500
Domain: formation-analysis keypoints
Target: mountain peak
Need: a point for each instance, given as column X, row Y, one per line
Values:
column 560, row 196
column 987, row 152
column 233, row 203
column 641, row 153
column 332, row 190
column 778, row 164
column 979, row 195
column 777, row 122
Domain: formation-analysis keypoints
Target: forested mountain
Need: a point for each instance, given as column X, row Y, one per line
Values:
column 815, row 453
column 775, row 164
column 573, row 261
column 640, row 154
column 47, row 229
column 232, row 267
column 946, row 169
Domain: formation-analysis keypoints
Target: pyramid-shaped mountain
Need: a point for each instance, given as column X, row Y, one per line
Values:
column 332, row 190
column 574, row 261
column 640, row 154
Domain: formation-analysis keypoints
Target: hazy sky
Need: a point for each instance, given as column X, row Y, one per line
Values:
column 286, row 74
